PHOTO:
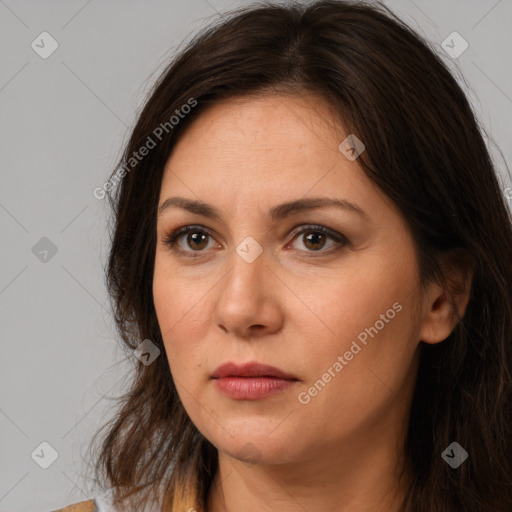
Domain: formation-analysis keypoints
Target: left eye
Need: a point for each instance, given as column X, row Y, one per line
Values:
column 314, row 239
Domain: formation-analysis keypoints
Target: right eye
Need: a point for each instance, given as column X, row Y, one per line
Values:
column 197, row 238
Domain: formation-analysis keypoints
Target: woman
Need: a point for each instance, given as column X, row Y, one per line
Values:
column 311, row 258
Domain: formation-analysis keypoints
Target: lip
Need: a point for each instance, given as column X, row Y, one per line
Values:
column 251, row 369
column 251, row 381
column 252, row 388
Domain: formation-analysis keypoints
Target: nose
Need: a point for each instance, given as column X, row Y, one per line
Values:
column 248, row 302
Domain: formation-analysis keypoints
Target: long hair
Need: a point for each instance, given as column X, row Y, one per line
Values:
column 424, row 150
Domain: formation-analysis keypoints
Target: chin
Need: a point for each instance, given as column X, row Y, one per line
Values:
column 257, row 447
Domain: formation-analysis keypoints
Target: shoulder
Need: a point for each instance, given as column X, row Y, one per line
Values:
column 83, row 506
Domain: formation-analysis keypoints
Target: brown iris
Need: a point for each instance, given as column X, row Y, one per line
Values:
column 313, row 238
column 200, row 239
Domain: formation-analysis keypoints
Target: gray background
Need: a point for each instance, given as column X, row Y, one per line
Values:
column 63, row 122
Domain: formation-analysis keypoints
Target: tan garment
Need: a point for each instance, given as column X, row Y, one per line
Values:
column 83, row 506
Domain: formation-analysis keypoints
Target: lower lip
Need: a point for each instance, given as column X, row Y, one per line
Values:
column 252, row 388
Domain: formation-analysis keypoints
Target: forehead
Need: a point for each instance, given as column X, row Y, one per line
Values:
column 271, row 139
column 248, row 157
column 261, row 112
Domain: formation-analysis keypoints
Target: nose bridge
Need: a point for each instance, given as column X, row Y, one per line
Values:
column 248, row 266
column 245, row 291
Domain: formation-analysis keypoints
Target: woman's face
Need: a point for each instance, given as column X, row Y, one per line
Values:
column 337, row 311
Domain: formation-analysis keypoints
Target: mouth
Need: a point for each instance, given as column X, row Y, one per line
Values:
column 251, row 381
column 252, row 369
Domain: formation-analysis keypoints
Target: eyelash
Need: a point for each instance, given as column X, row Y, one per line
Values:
column 171, row 239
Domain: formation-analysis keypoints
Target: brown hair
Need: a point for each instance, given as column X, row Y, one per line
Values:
column 424, row 149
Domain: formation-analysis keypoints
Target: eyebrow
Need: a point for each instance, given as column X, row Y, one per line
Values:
column 276, row 213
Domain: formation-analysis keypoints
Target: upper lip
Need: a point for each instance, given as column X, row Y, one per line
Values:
column 251, row 369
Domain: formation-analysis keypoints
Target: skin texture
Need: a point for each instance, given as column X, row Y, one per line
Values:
column 341, row 450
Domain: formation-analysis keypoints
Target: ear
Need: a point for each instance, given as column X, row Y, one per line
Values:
column 445, row 303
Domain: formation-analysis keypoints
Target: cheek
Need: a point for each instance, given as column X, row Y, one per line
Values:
column 176, row 299
column 181, row 317
column 372, row 326
column 180, row 309
column 357, row 300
